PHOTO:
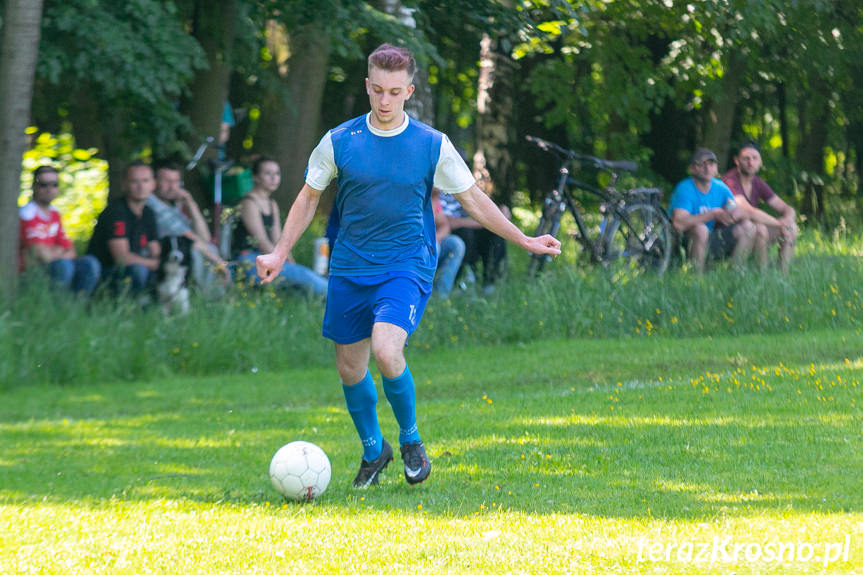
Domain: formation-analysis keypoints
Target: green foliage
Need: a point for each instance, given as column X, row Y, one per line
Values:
column 132, row 60
column 605, row 71
column 135, row 49
column 603, row 75
column 83, row 181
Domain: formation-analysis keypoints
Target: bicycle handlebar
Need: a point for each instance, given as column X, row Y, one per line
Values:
column 609, row 165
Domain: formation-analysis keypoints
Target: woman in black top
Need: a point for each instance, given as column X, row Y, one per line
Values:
column 259, row 229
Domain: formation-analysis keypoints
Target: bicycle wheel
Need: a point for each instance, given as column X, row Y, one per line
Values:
column 549, row 223
column 639, row 234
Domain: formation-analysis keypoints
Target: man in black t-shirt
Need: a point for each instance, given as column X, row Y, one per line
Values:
column 125, row 239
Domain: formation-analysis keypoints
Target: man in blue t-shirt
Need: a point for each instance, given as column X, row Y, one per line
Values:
column 701, row 201
column 384, row 258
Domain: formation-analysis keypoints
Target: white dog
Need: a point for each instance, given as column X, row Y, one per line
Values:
column 173, row 293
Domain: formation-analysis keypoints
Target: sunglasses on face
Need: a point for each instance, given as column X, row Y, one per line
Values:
column 48, row 184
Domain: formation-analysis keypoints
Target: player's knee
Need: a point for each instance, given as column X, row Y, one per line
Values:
column 351, row 373
column 389, row 358
column 351, row 367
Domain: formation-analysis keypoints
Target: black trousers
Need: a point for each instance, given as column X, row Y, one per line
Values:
column 488, row 247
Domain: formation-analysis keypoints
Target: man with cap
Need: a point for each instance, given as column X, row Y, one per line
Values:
column 749, row 191
column 700, row 202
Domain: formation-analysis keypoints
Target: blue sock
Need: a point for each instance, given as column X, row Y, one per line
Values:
column 361, row 399
column 402, row 398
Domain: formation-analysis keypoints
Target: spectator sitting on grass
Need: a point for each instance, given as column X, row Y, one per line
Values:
column 700, row 202
column 480, row 243
column 125, row 239
column 43, row 243
column 450, row 249
column 178, row 215
column 259, row 228
column 750, row 191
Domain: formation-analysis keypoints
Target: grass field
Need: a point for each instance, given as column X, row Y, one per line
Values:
column 655, row 455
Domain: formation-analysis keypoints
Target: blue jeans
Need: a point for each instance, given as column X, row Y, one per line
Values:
column 134, row 279
column 450, row 255
column 80, row 275
column 291, row 275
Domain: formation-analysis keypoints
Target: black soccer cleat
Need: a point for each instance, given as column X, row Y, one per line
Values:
column 371, row 470
column 417, row 465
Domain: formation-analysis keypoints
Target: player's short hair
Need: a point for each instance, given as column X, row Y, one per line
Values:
column 392, row 59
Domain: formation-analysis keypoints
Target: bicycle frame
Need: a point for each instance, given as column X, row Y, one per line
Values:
column 633, row 226
column 564, row 199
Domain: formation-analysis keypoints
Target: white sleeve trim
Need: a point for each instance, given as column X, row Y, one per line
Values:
column 452, row 176
column 322, row 164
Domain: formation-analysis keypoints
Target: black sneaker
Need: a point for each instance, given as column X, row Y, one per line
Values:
column 417, row 465
column 371, row 470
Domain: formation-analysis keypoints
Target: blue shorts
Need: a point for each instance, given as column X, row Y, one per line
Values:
column 355, row 304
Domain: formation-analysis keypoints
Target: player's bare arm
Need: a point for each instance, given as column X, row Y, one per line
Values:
column 484, row 211
column 299, row 217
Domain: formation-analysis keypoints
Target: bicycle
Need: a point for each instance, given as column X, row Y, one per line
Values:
column 634, row 229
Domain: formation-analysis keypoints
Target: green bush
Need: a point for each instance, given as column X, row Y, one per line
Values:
column 83, row 181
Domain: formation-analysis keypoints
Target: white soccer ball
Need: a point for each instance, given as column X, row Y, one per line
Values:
column 300, row 471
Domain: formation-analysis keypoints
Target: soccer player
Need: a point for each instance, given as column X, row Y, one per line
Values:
column 383, row 261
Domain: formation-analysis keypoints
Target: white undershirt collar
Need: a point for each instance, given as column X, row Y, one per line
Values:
column 387, row 133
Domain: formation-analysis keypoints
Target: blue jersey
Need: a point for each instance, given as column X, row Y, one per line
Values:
column 384, row 197
column 688, row 197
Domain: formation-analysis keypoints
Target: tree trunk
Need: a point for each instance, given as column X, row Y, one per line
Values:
column 719, row 120
column 672, row 130
column 213, row 27
column 782, row 103
column 21, row 31
column 855, row 138
column 290, row 127
column 496, row 119
column 421, row 104
column 814, row 119
column 115, row 148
